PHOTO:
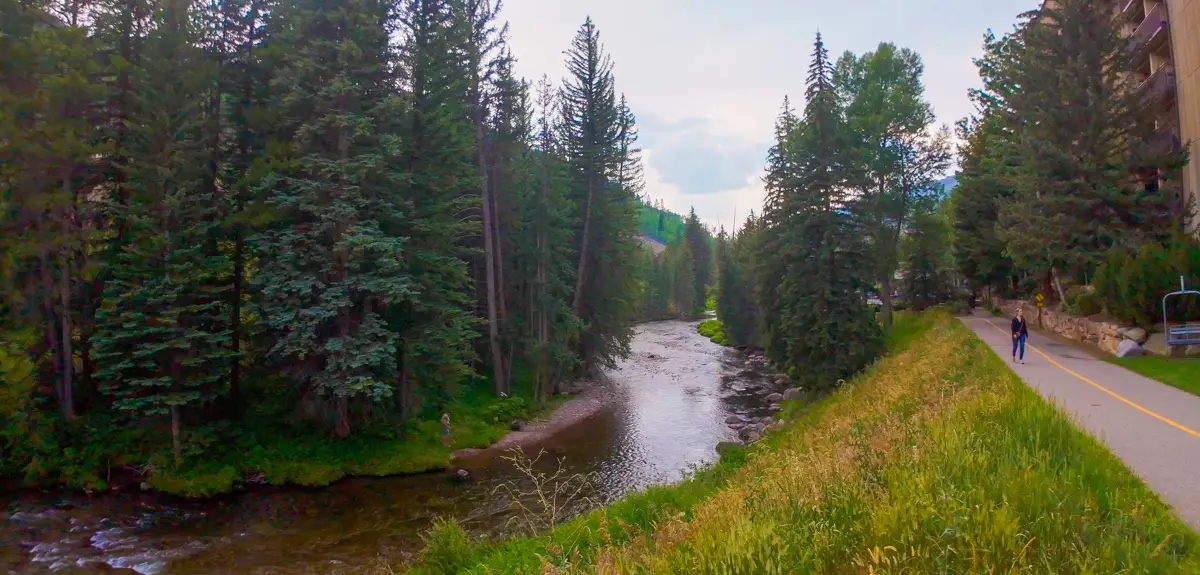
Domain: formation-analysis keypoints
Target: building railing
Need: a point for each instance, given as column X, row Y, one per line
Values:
column 1154, row 24
column 1161, row 84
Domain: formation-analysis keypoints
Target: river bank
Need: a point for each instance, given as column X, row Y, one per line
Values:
column 935, row 459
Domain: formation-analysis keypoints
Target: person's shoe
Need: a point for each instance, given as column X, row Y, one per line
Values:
column 1022, row 362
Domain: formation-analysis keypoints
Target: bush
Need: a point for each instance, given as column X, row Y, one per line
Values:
column 958, row 307
column 1132, row 285
column 712, row 329
column 1082, row 300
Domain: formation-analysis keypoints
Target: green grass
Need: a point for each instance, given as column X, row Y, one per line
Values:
column 935, row 460
column 1183, row 373
column 284, row 457
column 712, row 329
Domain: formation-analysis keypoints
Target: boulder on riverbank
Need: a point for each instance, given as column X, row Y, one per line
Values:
column 774, row 397
column 793, row 393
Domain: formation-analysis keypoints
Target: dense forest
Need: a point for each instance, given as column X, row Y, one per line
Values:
column 234, row 220
column 854, row 200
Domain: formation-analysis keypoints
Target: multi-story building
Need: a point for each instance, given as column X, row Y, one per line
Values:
column 1183, row 38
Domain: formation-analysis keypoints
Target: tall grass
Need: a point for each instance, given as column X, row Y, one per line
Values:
column 937, row 459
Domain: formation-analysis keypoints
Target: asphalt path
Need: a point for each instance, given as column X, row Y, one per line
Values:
column 1153, row 427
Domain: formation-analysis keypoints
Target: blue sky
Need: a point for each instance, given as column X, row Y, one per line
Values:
column 706, row 78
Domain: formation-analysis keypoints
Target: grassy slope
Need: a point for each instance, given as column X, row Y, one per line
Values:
column 1176, row 372
column 936, row 460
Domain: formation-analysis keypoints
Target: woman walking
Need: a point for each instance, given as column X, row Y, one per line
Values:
column 1020, row 332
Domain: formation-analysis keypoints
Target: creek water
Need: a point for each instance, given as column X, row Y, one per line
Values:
column 670, row 401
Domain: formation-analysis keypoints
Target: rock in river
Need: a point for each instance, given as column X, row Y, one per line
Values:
column 774, row 397
column 733, row 419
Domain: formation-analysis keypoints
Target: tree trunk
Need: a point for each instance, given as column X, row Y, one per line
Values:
column 489, row 249
column 176, row 444
column 68, row 360
column 235, row 313
column 52, row 328
column 1062, row 296
column 581, row 269
column 885, row 296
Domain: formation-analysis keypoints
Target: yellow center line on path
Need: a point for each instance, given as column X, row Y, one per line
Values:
column 1114, row 394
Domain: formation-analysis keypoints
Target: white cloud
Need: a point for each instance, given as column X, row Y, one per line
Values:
column 728, row 66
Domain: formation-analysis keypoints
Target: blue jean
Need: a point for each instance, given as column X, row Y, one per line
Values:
column 1019, row 343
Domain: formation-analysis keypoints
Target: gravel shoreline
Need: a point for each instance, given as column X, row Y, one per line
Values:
column 596, row 398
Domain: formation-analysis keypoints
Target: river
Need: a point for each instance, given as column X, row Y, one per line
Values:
column 670, row 402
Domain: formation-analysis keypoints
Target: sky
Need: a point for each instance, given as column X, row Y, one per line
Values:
column 706, row 78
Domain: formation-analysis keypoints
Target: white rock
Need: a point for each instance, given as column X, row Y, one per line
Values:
column 793, row 393
column 1129, row 348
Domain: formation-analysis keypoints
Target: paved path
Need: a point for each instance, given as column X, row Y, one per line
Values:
column 1152, row 426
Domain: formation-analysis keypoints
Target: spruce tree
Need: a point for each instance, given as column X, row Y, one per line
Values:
column 826, row 331
column 698, row 244
column 164, row 339
column 335, row 270
column 1086, row 180
column 590, row 131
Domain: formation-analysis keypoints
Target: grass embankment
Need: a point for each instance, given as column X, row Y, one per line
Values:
column 713, row 330
column 937, row 459
column 1183, row 373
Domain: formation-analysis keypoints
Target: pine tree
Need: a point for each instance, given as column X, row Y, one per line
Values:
column 439, row 193
column 164, row 337
column 681, row 273
column 335, row 269
column 698, row 244
column 49, row 150
column 978, row 251
column 1080, row 123
column 825, row 332
column 591, row 138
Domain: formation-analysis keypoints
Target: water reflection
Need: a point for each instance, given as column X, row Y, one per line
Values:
column 672, row 398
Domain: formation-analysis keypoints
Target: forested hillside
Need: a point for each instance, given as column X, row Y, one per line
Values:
column 230, row 221
column 657, row 222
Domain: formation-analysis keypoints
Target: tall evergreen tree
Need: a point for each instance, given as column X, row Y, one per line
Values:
column 1086, row 180
column 698, row 244
column 824, row 331
column 164, row 339
column 335, row 268
column 591, row 138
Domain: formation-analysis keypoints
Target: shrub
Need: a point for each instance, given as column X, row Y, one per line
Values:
column 1132, row 285
column 712, row 329
column 1081, row 300
column 958, row 306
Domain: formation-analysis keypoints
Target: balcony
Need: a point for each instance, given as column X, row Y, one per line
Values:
column 1165, row 142
column 1160, row 86
column 1132, row 9
column 1152, row 32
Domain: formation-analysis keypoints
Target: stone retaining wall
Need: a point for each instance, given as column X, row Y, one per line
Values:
column 1098, row 330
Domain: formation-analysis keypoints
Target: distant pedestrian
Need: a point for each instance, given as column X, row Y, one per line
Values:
column 1020, row 332
column 446, row 429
